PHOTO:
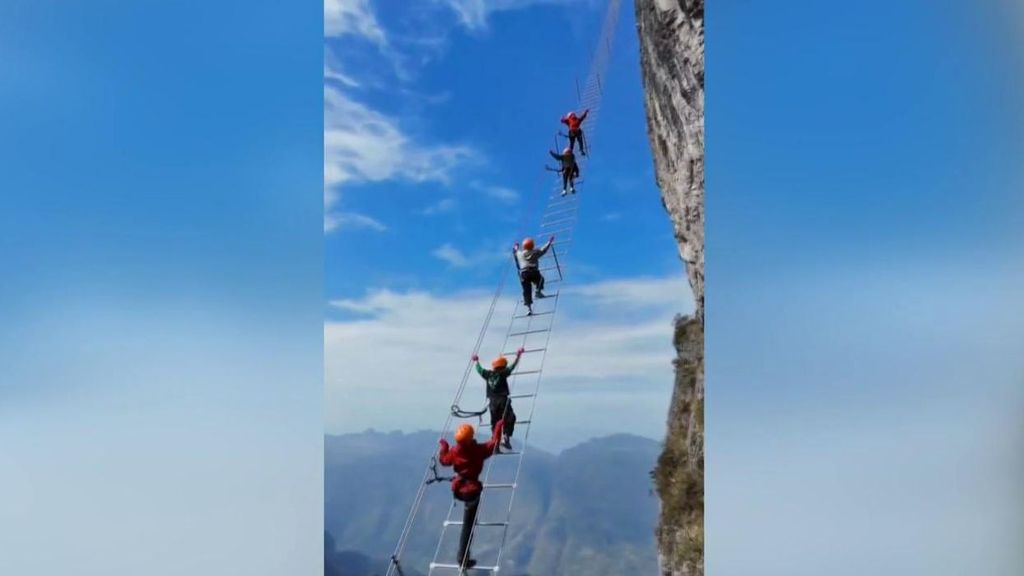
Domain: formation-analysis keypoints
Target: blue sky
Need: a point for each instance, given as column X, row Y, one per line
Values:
column 437, row 127
column 865, row 381
column 160, row 226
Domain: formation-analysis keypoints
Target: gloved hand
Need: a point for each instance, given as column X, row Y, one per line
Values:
column 475, row 358
column 552, row 239
column 520, row 351
column 443, row 443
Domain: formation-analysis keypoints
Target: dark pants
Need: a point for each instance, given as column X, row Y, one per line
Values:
column 501, row 407
column 528, row 277
column 468, row 519
column 569, row 176
column 575, row 135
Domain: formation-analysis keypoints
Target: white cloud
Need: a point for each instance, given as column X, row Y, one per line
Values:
column 506, row 195
column 636, row 292
column 350, row 220
column 440, row 207
column 473, row 14
column 364, row 145
column 352, row 17
column 452, row 255
column 484, row 256
column 397, row 364
column 500, row 193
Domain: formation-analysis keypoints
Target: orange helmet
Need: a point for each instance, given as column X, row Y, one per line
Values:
column 528, row 244
column 499, row 362
column 464, row 434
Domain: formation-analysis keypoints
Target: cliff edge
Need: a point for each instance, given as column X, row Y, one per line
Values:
column 672, row 64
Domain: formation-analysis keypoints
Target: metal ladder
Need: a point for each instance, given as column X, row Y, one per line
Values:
column 559, row 217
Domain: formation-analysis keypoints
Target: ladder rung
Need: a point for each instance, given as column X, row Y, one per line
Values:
column 559, row 196
column 550, row 268
column 529, row 332
column 512, row 485
column 524, row 373
column 509, row 453
column 518, row 423
column 549, row 223
column 459, row 523
column 532, row 315
column 459, row 566
column 530, row 351
column 554, row 232
column 529, row 395
column 549, row 214
column 562, row 202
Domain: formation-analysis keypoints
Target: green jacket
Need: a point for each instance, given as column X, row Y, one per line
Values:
column 497, row 380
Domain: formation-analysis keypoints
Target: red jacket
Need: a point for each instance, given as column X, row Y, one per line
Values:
column 573, row 121
column 468, row 462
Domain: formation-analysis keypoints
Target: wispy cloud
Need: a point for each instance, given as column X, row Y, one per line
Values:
column 506, row 195
column 442, row 206
column 352, row 18
column 474, row 14
column 500, row 193
column 452, row 255
column 364, row 145
column 433, row 335
column 351, row 220
column 456, row 258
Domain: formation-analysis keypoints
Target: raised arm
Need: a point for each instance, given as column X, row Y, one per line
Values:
column 544, row 249
column 519, row 354
column 565, row 120
column 444, row 455
column 584, row 115
column 555, row 156
column 479, row 368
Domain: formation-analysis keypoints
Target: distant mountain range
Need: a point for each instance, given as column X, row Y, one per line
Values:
column 587, row 511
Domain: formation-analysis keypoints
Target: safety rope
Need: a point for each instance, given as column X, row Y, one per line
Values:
column 598, row 64
column 589, row 99
column 418, row 500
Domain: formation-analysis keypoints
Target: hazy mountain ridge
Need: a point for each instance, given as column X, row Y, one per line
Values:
column 588, row 510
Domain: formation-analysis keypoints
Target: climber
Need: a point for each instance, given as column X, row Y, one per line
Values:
column 467, row 458
column 497, row 393
column 528, row 260
column 569, row 169
column 575, row 132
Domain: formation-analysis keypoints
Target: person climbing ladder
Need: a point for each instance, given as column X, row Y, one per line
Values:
column 528, row 262
column 575, row 131
column 467, row 459
column 569, row 169
column 498, row 392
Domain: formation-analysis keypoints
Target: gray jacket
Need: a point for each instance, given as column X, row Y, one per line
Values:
column 530, row 258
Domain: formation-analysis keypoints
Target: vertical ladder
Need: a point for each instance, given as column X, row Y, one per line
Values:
column 559, row 218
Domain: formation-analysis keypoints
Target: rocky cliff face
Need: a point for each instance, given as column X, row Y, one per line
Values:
column 672, row 63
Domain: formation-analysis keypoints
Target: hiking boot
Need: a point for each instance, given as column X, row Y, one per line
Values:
column 573, row 189
column 539, row 295
column 529, row 310
column 469, row 563
column 564, row 192
column 506, row 442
